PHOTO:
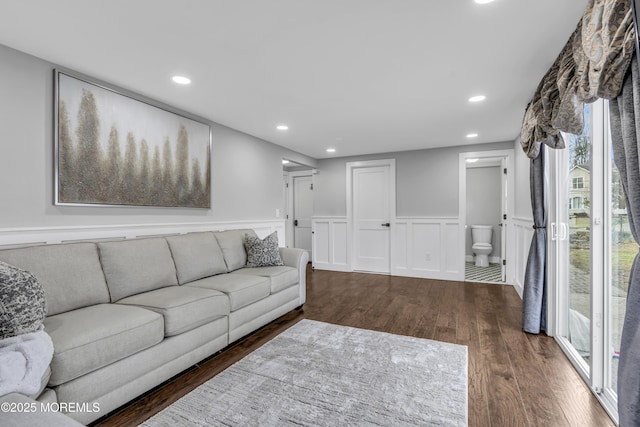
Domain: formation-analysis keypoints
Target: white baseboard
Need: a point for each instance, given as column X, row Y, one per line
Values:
column 518, row 288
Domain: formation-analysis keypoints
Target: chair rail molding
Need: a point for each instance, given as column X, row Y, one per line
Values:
column 29, row 236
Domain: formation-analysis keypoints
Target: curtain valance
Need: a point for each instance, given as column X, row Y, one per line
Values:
column 591, row 65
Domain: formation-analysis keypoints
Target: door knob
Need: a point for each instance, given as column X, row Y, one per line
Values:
column 386, row 224
column 295, row 222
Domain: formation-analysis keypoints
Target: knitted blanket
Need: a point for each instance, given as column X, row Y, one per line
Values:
column 23, row 361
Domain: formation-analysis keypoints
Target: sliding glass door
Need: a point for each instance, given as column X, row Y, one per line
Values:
column 591, row 249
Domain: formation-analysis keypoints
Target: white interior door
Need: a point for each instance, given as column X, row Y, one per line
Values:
column 302, row 212
column 371, row 204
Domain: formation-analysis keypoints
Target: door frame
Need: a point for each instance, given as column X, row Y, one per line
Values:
column 508, row 155
column 504, row 233
column 290, row 229
column 351, row 166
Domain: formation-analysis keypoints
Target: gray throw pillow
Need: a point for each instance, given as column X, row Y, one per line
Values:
column 22, row 302
column 263, row 253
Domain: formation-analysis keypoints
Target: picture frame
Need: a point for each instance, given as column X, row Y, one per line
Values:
column 114, row 148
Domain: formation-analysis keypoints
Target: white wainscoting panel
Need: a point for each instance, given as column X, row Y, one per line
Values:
column 427, row 247
column 420, row 247
column 523, row 228
column 330, row 244
column 321, row 246
column 18, row 237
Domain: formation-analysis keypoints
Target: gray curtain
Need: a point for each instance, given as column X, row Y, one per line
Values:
column 625, row 128
column 534, row 298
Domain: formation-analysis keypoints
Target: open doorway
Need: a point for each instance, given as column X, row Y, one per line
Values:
column 485, row 215
column 298, row 200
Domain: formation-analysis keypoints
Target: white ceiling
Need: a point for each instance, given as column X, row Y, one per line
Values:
column 363, row 76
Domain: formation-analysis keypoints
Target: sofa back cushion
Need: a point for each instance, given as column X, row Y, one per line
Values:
column 196, row 255
column 70, row 274
column 135, row 266
column 232, row 244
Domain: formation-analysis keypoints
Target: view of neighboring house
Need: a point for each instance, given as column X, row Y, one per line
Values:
column 579, row 189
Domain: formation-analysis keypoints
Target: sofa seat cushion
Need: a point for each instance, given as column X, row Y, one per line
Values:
column 90, row 338
column 281, row 277
column 183, row 307
column 241, row 289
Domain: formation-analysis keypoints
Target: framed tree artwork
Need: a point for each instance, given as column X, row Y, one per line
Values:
column 114, row 149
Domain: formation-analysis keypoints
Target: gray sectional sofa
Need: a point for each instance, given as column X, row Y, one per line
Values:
column 127, row 315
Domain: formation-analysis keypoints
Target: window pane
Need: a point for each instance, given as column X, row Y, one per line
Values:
column 580, row 239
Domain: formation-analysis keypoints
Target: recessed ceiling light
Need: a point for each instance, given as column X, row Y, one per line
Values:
column 472, row 160
column 181, row 80
column 282, row 127
column 284, row 161
column 483, row 1
column 472, row 135
column 331, row 150
column 477, row 98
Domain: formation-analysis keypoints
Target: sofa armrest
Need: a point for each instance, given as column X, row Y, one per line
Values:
column 297, row 258
column 293, row 257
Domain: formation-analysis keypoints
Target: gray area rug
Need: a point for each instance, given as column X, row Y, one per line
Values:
column 319, row 374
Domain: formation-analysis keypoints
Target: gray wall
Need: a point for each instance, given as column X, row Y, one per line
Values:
column 523, row 189
column 246, row 171
column 426, row 181
column 484, row 204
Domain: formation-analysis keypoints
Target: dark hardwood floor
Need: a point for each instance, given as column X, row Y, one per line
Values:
column 515, row 379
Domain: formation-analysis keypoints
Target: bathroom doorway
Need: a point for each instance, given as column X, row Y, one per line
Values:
column 485, row 207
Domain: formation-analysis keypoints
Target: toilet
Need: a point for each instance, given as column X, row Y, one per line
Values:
column 481, row 238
